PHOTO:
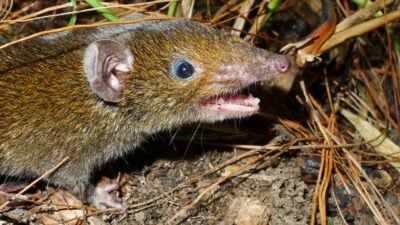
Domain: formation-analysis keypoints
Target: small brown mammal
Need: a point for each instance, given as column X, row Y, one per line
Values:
column 94, row 94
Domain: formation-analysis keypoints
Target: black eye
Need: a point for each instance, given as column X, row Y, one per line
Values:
column 183, row 69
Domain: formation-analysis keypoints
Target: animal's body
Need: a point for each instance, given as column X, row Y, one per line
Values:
column 93, row 95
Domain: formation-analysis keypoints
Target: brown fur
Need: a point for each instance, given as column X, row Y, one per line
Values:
column 48, row 112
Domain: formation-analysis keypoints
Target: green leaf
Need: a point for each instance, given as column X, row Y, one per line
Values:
column 272, row 6
column 172, row 8
column 103, row 11
column 72, row 20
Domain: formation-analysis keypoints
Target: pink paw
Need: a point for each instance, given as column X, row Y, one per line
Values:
column 102, row 199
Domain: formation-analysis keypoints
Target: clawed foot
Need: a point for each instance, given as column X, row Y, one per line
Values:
column 101, row 197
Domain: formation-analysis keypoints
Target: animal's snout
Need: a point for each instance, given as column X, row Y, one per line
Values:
column 280, row 63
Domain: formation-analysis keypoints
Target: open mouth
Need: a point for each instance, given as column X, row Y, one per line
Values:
column 231, row 105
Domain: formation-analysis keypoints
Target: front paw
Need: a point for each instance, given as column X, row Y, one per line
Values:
column 102, row 198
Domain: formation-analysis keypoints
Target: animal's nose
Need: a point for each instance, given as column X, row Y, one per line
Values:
column 280, row 63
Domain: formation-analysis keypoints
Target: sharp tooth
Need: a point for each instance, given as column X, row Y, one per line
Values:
column 251, row 101
column 220, row 100
column 254, row 101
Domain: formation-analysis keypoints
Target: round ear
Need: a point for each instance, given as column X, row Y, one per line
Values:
column 107, row 64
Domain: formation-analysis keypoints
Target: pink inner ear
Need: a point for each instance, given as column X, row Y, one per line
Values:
column 114, row 83
column 116, row 71
column 123, row 68
column 107, row 65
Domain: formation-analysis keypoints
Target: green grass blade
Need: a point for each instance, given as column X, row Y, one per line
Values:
column 72, row 20
column 103, row 11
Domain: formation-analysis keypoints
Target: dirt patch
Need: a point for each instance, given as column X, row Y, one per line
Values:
column 279, row 189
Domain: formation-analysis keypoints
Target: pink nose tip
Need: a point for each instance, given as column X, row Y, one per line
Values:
column 280, row 63
column 283, row 64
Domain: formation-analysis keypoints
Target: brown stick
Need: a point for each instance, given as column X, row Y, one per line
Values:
column 35, row 181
